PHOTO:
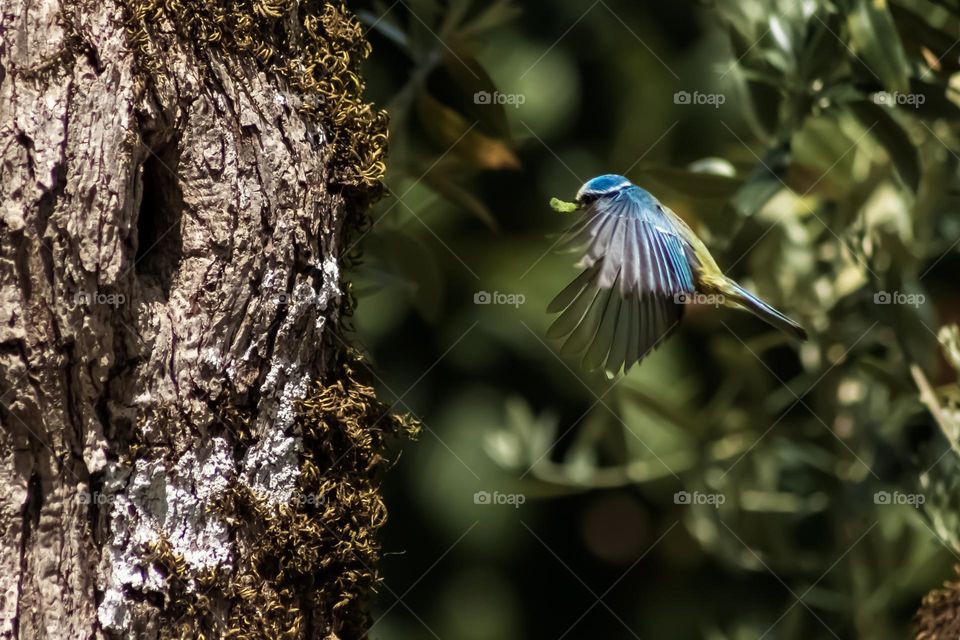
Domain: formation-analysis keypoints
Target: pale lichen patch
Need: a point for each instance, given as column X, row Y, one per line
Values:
column 330, row 291
column 272, row 465
column 156, row 502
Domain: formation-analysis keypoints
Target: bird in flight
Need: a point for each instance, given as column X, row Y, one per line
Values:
column 641, row 265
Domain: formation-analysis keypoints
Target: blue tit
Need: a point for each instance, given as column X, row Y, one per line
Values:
column 641, row 264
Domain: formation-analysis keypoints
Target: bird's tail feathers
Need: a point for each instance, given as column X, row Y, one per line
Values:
column 767, row 313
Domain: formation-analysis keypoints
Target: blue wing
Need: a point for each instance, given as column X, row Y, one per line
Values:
column 635, row 264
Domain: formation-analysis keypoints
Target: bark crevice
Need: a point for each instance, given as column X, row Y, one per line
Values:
column 174, row 207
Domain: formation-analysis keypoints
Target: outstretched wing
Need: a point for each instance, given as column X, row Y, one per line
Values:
column 636, row 266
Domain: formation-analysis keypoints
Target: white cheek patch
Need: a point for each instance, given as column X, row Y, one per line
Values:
column 586, row 190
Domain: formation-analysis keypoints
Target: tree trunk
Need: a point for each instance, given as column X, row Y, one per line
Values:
column 184, row 451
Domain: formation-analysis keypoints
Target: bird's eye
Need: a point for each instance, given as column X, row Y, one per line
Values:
column 588, row 198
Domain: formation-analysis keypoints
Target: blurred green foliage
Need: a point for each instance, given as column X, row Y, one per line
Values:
column 734, row 485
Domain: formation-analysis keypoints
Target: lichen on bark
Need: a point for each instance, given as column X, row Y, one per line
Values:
column 316, row 47
column 186, row 448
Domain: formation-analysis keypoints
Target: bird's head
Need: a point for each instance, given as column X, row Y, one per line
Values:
column 601, row 187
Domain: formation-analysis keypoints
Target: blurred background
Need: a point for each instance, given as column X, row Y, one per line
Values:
column 735, row 485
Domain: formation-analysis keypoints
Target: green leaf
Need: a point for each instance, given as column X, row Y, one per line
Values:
column 826, row 151
column 822, row 49
column 877, row 43
column 460, row 197
column 494, row 15
column 480, row 91
column 383, row 25
column 765, row 181
column 918, row 33
column 395, row 248
column 421, row 21
column 763, row 112
column 930, row 101
column 781, row 55
column 694, row 184
column 894, row 139
column 454, row 133
column 949, row 338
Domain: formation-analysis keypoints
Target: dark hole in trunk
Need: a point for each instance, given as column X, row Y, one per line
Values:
column 159, row 220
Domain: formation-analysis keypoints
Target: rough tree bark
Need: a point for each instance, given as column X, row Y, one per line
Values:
column 183, row 451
